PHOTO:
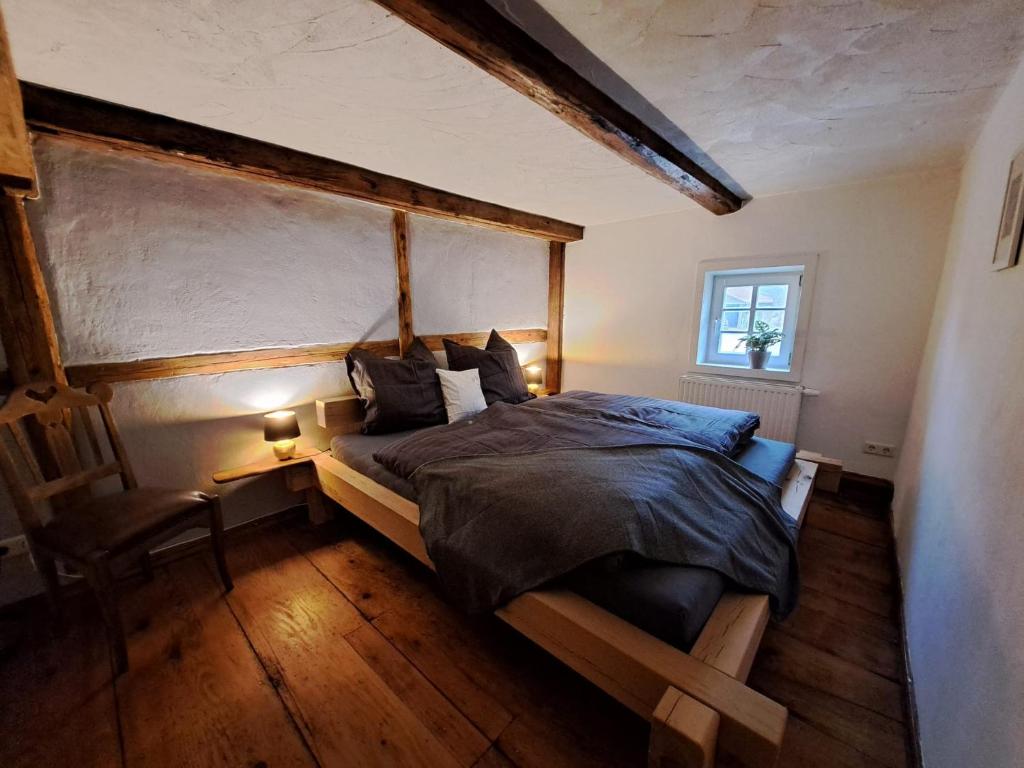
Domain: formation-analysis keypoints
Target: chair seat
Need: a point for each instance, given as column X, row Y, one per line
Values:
column 119, row 521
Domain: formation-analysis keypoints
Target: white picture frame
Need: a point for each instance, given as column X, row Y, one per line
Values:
column 1008, row 240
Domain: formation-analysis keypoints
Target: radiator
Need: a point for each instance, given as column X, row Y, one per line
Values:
column 777, row 404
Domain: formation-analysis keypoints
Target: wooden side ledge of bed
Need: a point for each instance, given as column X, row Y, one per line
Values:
column 701, row 712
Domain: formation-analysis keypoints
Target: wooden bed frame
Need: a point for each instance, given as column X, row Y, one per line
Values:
column 701, row 712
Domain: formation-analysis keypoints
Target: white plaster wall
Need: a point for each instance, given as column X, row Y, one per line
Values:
column 180, row 431
column 472, row 279
column 630, row 288
column 959, row 506
column 146, row 259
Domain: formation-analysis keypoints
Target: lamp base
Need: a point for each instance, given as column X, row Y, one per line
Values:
column 284, row 449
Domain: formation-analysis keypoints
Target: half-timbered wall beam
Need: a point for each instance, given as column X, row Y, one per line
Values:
column 26, row 322
column 556, row 301
column 277, row 357
column 163, row 138
column 400, row 235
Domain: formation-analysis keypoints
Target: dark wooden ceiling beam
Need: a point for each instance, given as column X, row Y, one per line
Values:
column 481, row 34
column 51, row 111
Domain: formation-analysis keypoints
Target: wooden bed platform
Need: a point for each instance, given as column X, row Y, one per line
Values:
column 701, row 712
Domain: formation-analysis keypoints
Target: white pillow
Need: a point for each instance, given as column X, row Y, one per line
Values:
column 463, row 397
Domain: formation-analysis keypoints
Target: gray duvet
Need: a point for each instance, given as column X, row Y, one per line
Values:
column 524, row 494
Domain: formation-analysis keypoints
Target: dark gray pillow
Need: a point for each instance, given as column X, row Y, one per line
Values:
column 397, row 394
column 501, row 378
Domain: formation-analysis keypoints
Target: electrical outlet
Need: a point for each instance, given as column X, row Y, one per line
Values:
column 16, row 546
column 879, row 449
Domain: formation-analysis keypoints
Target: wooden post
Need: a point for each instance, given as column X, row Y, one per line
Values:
column 26, row 323
column 17, row 169
column 400, row 235
column 556, row 300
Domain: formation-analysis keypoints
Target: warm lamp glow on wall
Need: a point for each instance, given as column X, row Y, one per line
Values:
column 280, row 428
column 534, row 377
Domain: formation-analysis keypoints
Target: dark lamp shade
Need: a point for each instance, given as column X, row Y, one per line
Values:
column 534, row 374
column 280, row 425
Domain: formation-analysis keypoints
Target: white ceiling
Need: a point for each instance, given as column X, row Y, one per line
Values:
column 783, row 94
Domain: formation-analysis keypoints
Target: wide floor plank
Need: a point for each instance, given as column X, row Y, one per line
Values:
column 836, row 662
column 847, row 641
column 369, row 571
column 826, row 576
column 57, row 704
column 873, row 564
column 298, row 623
column 440, row 716
column 337, row 649
column 865, row 529
column 877, row 736
column 884, row 627
column 805, row 664
column 537, row 740
column 807, row 747
column 442, row 655
column 191, row 673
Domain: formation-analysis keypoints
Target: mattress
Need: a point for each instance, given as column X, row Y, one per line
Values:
column 356, row 450
column 671, row 602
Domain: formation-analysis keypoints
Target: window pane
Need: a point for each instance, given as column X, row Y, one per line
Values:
column 738, row 296
column 729, row 344
column 772, row 295
column 736, row 320
column 776, row 318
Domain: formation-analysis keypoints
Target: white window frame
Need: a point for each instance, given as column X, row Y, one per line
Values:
column 704, row 358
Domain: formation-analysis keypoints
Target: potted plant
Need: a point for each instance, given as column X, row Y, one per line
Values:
column 759, row 343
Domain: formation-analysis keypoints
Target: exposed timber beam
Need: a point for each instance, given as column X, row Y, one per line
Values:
column 123, row 128
column 400, row 236
column 556, row 312
column 480, row 33
column 277, row 357
column 26, row 322
column 17, row 169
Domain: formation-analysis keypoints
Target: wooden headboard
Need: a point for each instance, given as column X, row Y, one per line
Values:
column 340, row 415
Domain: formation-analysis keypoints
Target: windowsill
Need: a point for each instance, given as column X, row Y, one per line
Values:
column 745, row 372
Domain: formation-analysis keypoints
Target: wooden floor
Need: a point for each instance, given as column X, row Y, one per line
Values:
column 335, row 650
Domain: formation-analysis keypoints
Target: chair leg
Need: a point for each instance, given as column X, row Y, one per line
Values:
column 146, row 564
column 217, row 542
column 97, row 572
column 47, row 568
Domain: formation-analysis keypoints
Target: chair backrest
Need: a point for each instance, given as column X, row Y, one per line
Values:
column 54, row 419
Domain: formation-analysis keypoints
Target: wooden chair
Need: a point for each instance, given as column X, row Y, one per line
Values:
column 87, row 531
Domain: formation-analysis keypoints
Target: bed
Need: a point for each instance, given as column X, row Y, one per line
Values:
column 672, row 643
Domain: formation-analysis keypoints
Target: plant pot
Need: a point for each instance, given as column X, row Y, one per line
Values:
column 758, row 358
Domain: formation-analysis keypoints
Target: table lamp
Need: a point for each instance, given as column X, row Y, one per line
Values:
column 534, row 377
column 279, row 428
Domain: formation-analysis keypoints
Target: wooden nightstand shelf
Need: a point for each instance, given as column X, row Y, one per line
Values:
column 298, row 476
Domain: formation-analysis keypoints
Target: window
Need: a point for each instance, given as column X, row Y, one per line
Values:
column 734, row 295
column 741, row 300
